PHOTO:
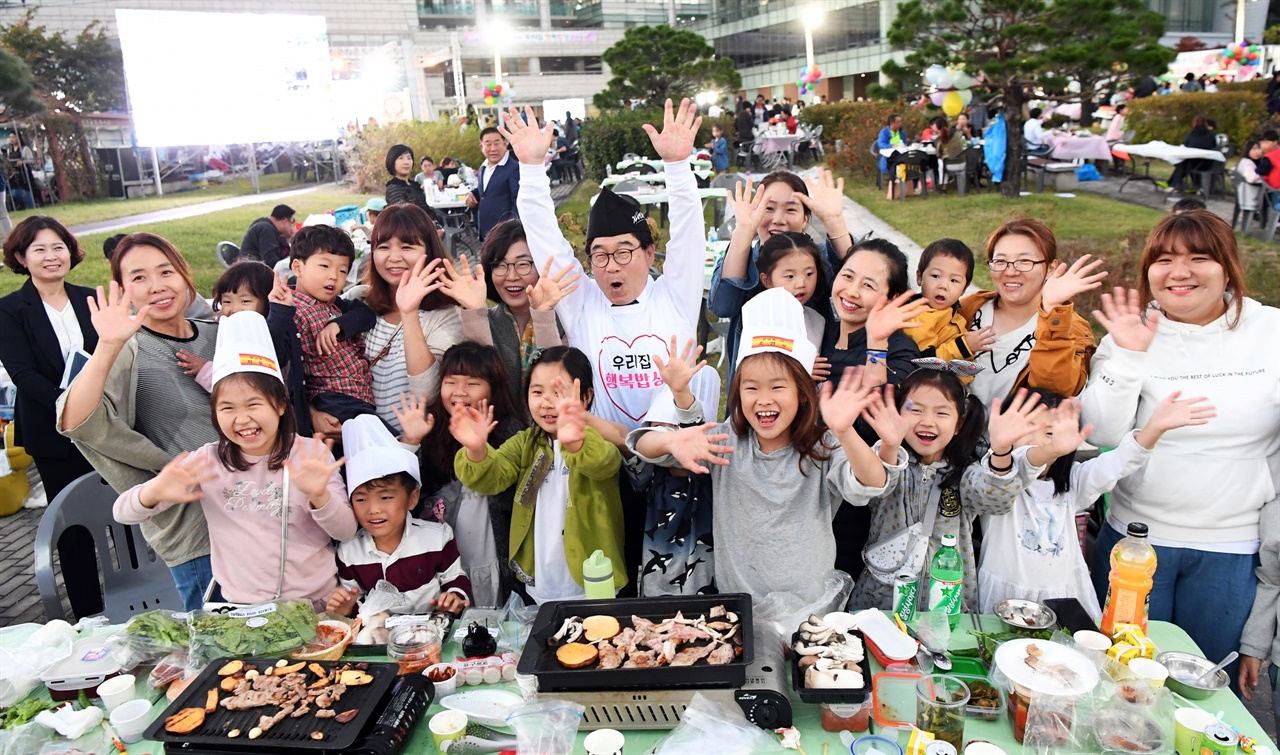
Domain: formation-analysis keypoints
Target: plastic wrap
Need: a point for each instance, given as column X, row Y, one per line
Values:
column 1054, row 726
column 782, row 612
column 547, row 727
column 169, row 669
column 713, row 728
column 517, row 618
column 26, row 652
column 269, row 629
column 25, row 739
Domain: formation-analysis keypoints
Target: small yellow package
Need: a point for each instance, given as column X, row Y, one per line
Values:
column 1123, row 652
column 919, row 740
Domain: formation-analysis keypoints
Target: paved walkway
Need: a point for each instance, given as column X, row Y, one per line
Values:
column 190, row 211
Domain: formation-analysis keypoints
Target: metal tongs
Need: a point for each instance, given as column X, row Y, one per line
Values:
column 939, row 658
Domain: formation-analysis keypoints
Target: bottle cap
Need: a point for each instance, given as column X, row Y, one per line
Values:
column 597, row 567
column 949, row 540
column 1137, row 529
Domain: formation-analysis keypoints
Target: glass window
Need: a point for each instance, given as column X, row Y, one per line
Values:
column 586, row 64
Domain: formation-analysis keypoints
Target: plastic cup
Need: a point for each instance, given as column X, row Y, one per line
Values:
column 1149, row 671
column 447, row 726
column 117, row 690
column 940, row 707
column 1188, row 728
column 131, row 718
column 604, row 742
column 1091, row 640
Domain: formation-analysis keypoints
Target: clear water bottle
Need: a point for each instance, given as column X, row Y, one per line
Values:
column 714, row 238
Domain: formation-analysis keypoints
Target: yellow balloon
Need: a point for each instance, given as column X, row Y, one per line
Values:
column 952, row 105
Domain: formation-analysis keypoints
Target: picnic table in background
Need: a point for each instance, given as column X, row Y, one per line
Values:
column 659, row 166
column 1170, row 153
column 1078, row 147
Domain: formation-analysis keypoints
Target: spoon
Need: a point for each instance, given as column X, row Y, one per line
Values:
column 939, row 658
column 1225, row 662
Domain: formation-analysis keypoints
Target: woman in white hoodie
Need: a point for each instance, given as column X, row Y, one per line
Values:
column 1190, row 327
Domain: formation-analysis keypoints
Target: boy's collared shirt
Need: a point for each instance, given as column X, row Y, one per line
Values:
column 344, row 370
column 425, row 564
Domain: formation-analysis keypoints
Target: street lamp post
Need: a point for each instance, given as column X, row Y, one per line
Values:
column 812, row 17
column 497, row 31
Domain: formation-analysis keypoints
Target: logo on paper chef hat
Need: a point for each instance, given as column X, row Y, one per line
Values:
column 774, row 321
column 244, row 345
column 705, row 386
column 372, row 452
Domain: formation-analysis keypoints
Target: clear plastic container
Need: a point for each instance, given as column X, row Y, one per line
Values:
column 415, row 645
column 846, row 717
column 940, row 708
column 981, row 689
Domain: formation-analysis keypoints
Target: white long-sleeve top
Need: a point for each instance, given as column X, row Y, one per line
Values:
column 620, row 341
column 1204, row 485
column 1038, row 552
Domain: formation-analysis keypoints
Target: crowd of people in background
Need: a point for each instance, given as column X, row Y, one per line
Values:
column 492, row 422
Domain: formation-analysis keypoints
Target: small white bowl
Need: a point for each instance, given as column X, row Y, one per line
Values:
column 1149, row 671
column 130, row 720
column 448, row 686
column 1091, row 640
column 117, row 690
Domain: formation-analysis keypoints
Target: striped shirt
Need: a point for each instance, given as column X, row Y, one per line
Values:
column 172, row 410
column 443, row 329
column 423, row 565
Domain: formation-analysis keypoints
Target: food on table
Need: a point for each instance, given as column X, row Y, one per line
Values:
column 986, row 698
column 270, row 629
column 830, row 657
column 677, row 641
column 373, row 629
column 177, row 686
column 184, row 721
column 22, row 712
column 211, row 701
column 291, row 668
column 577, row 655
column 157, row 630
column 946, row 724
column 1061, row 673
column 354, row 678
column 441, row 674
column 415, row 646
column 231, row 667
column 345, row 716
column 332, row 639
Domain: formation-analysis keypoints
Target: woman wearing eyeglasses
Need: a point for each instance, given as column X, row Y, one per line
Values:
column 1033, row 336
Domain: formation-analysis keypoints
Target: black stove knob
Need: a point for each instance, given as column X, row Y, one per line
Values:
column 765, row 714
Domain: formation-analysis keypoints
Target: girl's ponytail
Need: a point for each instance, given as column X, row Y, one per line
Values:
column 963, row 448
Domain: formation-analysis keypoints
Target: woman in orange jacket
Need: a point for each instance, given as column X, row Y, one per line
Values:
column 1034, row 337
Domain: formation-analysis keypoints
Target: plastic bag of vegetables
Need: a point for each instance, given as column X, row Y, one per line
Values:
column 265, row 630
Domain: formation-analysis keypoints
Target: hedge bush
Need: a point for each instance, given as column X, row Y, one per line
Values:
column 830, row 117
column 860, row 125
column 437, row 139
column 1239, row 115
column 1253, row 85
column 612, row 134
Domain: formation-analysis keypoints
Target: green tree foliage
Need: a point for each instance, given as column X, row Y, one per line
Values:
column 656, row 62
column 1017, row 46
column 17, row 93
column 85, row 73
column 615, row 132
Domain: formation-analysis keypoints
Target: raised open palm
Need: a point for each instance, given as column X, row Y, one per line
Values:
column 826, row 194
column 1006, row 425
column 112, row 317
column 311, row 469
column 464, row 283
column 529, row 142
column 841, row 406
column 1065, row 283
column 683, row 365
column 679, row 131
column 470, row 426
column 888, row 316
column 1123, row 317
column 179, row 481
column 417, row 283
column 551, row 288
column 693, row 447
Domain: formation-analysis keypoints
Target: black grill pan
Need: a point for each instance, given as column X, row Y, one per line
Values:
column 539, row 659
column 290, row 734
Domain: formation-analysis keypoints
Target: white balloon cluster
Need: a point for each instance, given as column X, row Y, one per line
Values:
column 951, row 88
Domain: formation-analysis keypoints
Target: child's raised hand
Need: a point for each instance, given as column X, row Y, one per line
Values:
column 190, row 363
column 551, row 288
column 889, row 316
column 882, row 414
column 327, row 339
column 415, row 422
column 464, row 284
column 571, row 415
column 840, row 407
column 1174, row 412
column 527, row 140
column 678, row 373
column 111, row 316
column 470, row 426
column 981, row 339
column 415, row 284
column 280, row 291
column 178, row 482
column 342, row 602
column 692, row 446
column 451, row 602
column 1064, row 423
column 1024, row 414
column 1122, row 316
column 310, row 469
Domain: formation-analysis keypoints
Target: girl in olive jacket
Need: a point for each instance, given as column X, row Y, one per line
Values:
column 566, row 476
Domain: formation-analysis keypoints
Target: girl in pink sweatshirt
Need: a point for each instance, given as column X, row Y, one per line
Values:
column 258, row 469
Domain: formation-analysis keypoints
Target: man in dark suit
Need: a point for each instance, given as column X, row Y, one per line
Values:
column 495, row 198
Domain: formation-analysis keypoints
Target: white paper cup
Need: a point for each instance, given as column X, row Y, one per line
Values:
column 447, row 726
column 117, row 690
column 604, row 742
column 1091, row 640
column 130, row 720
column 1188, row 726
column 1149, row 671
column 447, row 686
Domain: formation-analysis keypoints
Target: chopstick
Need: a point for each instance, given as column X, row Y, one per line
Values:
column 114, row 739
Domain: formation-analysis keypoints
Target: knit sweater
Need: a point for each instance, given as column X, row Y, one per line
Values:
column 1204, row 484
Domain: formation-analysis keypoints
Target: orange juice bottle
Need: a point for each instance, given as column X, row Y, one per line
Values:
column 1133, row 565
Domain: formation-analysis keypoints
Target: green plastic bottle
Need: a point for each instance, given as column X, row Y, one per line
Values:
column 597, row 576
column 946, row 580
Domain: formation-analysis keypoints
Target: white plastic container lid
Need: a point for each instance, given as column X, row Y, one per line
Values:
column 89, row 664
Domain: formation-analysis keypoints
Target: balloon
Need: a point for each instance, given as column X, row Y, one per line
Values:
column 966, row 96
column 945, row 80
column 937, row 98
column 489, row 100
column 932, row 73
column 952, row 105
column 497, row 89
column 962, row 80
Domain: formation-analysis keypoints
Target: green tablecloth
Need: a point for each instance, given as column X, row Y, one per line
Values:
column 808, row 717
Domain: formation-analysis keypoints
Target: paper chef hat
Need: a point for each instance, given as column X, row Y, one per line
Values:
column 706, row 388
column 774, row 321
column 244, row 345
column 372, row 452
column 615, row 215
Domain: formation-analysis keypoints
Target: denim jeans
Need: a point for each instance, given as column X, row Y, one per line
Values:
column 1209, row 595
column 192, row 579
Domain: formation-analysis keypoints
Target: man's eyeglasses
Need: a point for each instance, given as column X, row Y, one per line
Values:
column 622, row 257
column 521, row 267
column 1022, row 266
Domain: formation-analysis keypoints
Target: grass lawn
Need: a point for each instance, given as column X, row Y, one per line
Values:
column 195, row 237
column 77, row 213
column 1086, row 224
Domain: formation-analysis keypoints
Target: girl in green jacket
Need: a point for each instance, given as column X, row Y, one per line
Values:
column 566, row 475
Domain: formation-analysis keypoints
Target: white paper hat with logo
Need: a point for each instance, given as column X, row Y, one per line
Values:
column 774, row 321
column 244, row 345
column 372, row 452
